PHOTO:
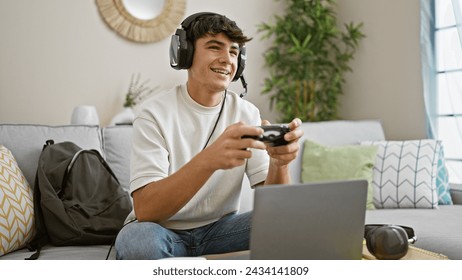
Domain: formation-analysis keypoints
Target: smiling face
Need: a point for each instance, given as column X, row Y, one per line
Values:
column 213, row 68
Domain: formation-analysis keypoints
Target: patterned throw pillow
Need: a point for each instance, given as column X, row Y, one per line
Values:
column 442, row 180
column 405, row 174
column 16, row 205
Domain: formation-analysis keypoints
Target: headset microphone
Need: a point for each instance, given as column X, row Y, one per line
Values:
column 244, row 84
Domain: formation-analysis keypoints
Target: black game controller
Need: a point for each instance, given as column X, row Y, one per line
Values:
column 273, row 134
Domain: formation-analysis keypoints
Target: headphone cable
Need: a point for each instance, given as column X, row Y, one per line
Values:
column 216, row 123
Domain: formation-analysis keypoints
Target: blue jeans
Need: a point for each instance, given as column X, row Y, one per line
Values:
column 149, row 241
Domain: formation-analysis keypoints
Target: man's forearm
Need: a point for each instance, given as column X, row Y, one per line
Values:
column 278, row 175
column 158, row 201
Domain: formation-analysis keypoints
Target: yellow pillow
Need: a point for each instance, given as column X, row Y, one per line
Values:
column 16, row 205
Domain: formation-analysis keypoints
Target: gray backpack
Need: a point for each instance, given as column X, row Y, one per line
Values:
column 77, row 198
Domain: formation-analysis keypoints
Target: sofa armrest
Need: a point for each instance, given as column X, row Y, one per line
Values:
column 456, row 193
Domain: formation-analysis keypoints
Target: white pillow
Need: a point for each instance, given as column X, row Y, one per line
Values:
column 405, row 174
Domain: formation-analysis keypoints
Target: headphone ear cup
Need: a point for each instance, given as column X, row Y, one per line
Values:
column 241, row 61
column 181, row 51
column 387, row 242
column 370, row 240
column 188, row 53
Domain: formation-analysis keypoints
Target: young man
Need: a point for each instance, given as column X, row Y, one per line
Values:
column 189, row 155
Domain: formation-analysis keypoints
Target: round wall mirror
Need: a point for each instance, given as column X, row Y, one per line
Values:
column 144, row 9
column 142, row 20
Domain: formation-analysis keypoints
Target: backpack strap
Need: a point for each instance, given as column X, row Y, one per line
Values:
column 41, row 236
column 71, row 164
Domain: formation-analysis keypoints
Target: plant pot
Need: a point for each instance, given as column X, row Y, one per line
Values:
column 125, row 117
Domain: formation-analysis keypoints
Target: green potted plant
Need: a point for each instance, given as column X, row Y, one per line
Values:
column 137, row 92
column 307, row 59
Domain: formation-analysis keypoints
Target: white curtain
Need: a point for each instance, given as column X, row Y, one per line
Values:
column 427, row 45
column 441, row 55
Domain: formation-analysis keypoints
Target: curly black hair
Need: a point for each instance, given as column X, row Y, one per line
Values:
column 213, row 24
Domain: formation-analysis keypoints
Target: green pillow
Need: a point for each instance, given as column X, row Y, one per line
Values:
column 323, row 163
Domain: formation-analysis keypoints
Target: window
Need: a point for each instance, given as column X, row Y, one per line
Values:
column 443, row 79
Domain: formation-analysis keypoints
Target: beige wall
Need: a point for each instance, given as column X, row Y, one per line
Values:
column 56, row 54
column 386, row 82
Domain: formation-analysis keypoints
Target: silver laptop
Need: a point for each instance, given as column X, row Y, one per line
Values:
column 321, row 221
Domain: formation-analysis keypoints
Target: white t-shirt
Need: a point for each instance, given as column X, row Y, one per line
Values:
column 170, row 129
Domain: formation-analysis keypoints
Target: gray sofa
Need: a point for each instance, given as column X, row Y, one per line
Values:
column 438, row 230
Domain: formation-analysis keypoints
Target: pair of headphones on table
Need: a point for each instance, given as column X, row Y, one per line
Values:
column 388, row 242
column 182, row 49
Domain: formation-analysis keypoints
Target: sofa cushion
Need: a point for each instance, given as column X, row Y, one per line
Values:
column 335, row 133
column 117, row 148
column 348, row 162
column 16, row 205
column 405, row 174
column 50, row 252
column 26, row 141
column 456, row 193
column 436, row 230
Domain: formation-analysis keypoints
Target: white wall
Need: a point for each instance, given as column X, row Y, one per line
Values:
column 56, row 54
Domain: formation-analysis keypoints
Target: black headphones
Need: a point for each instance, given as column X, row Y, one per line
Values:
column 182, row 50
column 388, row 242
